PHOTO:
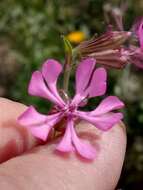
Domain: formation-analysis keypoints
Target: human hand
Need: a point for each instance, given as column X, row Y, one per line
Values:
column 38, row 167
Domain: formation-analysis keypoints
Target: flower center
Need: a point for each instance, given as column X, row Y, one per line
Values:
column 69, row 109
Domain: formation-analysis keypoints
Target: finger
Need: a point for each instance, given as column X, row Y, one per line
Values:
column 42, row 169
column 14, row 139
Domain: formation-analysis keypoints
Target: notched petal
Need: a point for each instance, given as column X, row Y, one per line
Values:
column 37, row 87
column 38, row 124
column 51, row 70
column 110, row 103
column 84, row 149
column 31, row 117
column 97, row 86
column 83, row 73
column 103, row 122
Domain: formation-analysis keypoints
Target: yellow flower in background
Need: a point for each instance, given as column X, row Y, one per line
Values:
column 76, row 37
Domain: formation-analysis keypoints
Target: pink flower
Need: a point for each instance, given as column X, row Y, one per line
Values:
column 89, row 83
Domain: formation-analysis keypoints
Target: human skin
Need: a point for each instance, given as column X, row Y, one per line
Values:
column 26, row 163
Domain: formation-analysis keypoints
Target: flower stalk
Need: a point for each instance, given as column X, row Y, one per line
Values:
column 68, row 64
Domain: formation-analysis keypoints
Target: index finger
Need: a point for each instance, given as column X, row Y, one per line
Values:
column 14, row 139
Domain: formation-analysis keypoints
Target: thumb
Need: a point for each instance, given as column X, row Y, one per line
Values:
column 42, row 169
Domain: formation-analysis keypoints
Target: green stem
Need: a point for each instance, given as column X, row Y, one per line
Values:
column 67, row 71
column 68, row 64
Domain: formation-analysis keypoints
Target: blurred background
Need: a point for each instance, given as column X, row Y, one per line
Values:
column 30, row 32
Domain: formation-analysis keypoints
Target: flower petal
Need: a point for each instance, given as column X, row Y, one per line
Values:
column 37, row 87
column 83, row 148
column 51, row 70
column 83, row 74
column 37, row 123
column 98, row 85
column 65, row 144
column 108, row 104
column 40, row 131
column 31, row 117
column 103, row 122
